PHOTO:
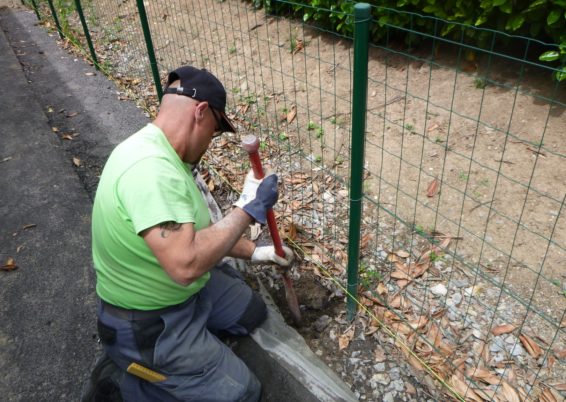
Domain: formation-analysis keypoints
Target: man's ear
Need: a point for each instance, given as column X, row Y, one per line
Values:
column 200, row 109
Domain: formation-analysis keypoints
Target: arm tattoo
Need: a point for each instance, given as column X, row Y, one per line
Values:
column 168, row 227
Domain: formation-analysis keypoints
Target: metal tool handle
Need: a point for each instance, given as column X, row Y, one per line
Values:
column 251, row 146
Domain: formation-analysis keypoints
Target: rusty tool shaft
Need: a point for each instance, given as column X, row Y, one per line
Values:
column 271, row 223
column 251, row 145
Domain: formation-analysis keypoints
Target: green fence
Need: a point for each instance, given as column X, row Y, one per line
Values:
column 456, row 171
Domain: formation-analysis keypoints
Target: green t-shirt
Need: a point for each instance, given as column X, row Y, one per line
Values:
column 144, row 183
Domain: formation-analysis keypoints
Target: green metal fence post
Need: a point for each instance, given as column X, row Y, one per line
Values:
column 362, row 14
column 55, row 18
column 34, row 5
column 87, row 33
column 150, row 52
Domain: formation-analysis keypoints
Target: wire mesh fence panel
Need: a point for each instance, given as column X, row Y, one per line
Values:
column 462, row 153
column 463, row 234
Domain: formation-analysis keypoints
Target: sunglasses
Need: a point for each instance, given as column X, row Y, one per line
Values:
column 218, row 131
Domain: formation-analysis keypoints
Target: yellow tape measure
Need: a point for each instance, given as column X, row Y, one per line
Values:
column 143, row 372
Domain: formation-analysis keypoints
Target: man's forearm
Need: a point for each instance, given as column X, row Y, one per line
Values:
column 223, row 238
column 244, row 249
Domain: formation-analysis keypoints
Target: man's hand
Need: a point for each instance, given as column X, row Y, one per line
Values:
column 266, row 254
column 258, row 196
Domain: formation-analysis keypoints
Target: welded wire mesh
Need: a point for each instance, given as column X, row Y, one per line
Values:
column 464, row 228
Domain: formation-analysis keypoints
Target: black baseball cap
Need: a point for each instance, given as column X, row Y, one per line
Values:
column 201, row 85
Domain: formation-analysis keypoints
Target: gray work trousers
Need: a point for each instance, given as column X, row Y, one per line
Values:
column 181, row 344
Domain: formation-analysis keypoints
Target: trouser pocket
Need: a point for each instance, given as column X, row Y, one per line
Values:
column 107, row 334
column 146, row 333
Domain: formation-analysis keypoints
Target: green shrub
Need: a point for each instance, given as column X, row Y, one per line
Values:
column 544, row 20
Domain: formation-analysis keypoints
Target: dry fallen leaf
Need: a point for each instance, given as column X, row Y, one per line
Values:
column 484, row 375
column 509, row 392
column 463, row 389
column 244, row 108
column 379, row 355
column 434, row 335
column 397, row 302
column 9, row 265
column 55, row 129
column 299, row 45
column 72, row 114
column 503, row 329
column 345, row 338
column 487, row 394
column 210, row 185
column 371, row 299
column 292, row 232
column 433, row 188
column 402, row 253
column 559, row 387
column 381, row 289
column 433, row 127
column 391, row 257
column 76, row 161
column 401, row 274
column 291, row 115
column 560, row 354
column 67, row 137
column 365, row 240
column 29, row 226
column 416, row 363
column 548, row 396
column 531, row 346
column 418, row 322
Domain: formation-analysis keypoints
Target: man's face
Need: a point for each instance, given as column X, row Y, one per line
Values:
column 211, row 128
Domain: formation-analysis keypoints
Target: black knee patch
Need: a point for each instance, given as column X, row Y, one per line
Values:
column 146, row 333
column 103, row 384
column 108, row 391
column 255, row 313
column 107, row 334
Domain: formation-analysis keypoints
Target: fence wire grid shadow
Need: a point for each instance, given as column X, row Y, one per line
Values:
column 463, row 233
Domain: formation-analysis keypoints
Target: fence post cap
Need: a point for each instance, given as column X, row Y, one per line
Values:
column 362, row 9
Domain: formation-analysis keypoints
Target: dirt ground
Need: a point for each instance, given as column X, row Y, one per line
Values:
column 468, row 145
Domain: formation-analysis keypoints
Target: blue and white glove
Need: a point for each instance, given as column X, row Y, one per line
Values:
column 266, row 255
column 258, row 196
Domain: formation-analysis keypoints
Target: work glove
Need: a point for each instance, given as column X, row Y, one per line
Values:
column 266, row 255
column 258, row 196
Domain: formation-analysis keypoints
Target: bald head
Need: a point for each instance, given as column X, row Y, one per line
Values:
column 175, row 104
column 187, row 124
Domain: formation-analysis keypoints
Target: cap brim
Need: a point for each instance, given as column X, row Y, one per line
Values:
column 227, row 125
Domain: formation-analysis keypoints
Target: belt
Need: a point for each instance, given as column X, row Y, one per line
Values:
column 134, row 315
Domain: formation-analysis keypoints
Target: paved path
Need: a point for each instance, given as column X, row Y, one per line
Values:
column 47, row 330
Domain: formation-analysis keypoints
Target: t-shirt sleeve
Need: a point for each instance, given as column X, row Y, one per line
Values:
column 154, row 191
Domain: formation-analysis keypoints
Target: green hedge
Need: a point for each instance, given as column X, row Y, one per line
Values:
column 544, row 20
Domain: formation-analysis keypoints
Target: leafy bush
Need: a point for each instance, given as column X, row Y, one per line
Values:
column 544, row 20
